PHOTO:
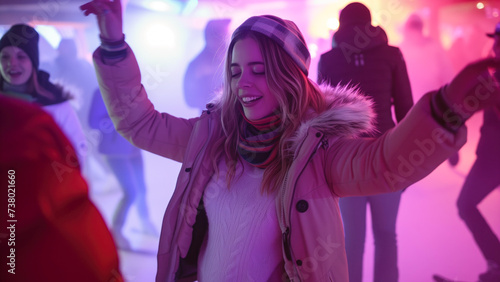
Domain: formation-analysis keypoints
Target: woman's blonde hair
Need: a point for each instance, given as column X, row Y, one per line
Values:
column 296, row 94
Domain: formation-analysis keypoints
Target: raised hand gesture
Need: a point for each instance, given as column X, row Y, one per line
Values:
column 109, row 18
column 473, row 88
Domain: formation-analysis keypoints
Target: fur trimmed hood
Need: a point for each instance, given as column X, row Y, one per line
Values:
column 349, row 114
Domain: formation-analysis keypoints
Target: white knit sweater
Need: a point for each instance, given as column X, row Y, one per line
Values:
column 244, row 239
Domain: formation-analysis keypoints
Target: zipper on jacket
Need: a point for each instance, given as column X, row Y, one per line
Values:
column 286, row 244
column 194, row 171
column 286, row 235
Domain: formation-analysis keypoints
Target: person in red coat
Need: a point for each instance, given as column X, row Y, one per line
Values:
column 51, row 231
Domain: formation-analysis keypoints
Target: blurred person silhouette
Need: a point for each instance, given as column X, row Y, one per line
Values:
column 362, row 57
column 426, row 60
column 78, row 75
column 21, row 78
column 126, row 163
column 51, row 229
column 75, row 73
column 469, row 44
column 483, row 178
column 203, row 77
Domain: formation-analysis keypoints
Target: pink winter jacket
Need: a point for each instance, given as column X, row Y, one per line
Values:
column 329, row 163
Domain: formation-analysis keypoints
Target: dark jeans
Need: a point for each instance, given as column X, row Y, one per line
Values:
column 384, row 211
column 482, row 179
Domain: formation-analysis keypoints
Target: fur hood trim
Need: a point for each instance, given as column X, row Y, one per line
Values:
column 348, row 114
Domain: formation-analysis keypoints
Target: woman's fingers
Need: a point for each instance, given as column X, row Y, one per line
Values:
column 474, row 88
column 93, row 7
column 88, row 8
column 101, row 7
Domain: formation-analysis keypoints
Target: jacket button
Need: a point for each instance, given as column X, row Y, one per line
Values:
column 302, row 206
column 318, row 134
column 188, row 169
column 299, row 262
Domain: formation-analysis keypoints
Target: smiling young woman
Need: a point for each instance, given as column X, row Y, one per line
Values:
column 264, row 166
column 16, row 67
column 22, row 79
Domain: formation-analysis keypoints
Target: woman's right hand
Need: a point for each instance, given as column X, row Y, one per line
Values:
column 109, row 17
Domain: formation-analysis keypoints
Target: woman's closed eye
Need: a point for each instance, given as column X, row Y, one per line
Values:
column 255, row 68
column 258, row 69
column 235, row 71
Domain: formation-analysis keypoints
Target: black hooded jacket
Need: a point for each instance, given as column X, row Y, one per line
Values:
column 362, row 57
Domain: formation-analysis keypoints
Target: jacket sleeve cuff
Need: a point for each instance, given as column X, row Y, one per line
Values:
column 113, row 55
column 443, row 114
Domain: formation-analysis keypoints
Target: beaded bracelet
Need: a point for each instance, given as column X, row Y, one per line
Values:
column 444, row 114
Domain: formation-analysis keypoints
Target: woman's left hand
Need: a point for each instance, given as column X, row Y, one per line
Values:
column 473, row 88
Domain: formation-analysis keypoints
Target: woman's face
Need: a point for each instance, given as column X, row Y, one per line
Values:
column 248, row 80
column 15, row 65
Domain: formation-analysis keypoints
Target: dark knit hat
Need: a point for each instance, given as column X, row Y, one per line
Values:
column 354, row 13
column 25, row 38
column 283, row 32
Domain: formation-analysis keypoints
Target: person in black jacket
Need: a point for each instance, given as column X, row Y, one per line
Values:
column 362, row 57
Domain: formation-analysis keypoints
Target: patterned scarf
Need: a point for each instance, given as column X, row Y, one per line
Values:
column 259, row 140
